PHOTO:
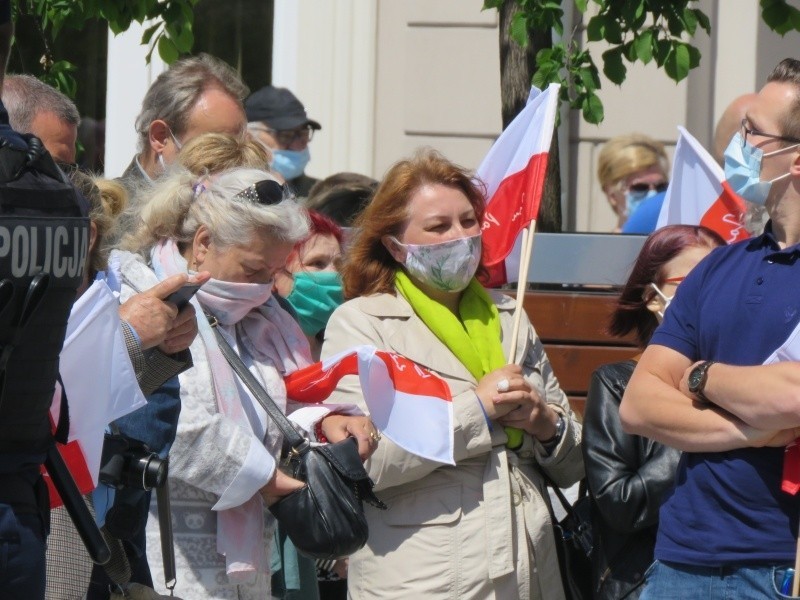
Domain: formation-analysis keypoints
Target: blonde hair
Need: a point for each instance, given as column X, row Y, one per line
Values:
column 180, row 203
column 107, row 199
column 625, row 155
column 215, row 152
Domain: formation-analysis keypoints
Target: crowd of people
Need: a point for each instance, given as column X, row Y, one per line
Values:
column 215, row 230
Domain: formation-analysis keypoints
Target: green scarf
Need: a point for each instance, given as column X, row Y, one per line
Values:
column 474, row 339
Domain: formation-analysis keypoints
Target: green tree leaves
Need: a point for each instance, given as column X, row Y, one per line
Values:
column 170, row 33
column 634, row 30
column 780, row 16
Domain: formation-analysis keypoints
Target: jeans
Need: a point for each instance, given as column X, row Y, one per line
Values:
column 671, row 581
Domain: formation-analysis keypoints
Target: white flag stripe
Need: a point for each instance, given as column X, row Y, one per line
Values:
column 422, row 425
column 524, row 137
column 95, row 367
column 363, row 350
column 430, row 421
column 695, row 183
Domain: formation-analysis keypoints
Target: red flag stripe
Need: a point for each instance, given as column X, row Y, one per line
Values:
column 315, row 383
column 408, row 377
column 514, row 205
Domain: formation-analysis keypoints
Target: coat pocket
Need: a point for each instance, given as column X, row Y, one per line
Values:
column 428, row 506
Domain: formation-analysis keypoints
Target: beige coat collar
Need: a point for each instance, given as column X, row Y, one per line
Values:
column 412, row 338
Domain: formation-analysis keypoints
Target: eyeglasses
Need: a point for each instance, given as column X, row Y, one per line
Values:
column 643, row 188
column 749, row 131
column 674, row 279
column 265, row 192
column 287, row 137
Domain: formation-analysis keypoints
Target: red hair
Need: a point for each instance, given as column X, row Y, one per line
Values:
column 631, row 312
column 320, row 225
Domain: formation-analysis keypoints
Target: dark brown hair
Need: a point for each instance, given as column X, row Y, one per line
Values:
column 369, row 268
column 631, row 312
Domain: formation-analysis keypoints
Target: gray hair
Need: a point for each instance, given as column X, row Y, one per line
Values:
column 25, row 97
column 180, row 203
column 175, row 92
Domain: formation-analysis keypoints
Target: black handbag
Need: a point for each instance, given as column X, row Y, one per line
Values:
column 325, row 519
column 573, row 541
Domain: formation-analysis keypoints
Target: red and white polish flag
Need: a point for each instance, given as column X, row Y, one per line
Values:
column 513, row 172
column 99, row 380
column 698, row 193
column 410, row 405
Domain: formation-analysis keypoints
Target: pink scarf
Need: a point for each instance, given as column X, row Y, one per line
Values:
column 249, row 315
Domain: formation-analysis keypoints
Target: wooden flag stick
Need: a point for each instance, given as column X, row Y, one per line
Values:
column 522, row 284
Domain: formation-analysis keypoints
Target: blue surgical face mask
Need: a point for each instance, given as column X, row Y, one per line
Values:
column 290, row 163
column 634, row 199
column 743, row 170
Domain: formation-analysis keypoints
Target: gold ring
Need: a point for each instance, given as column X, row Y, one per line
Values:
column 375, row 437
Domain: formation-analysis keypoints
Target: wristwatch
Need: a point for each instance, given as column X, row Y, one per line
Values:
column 697, row 379
column 552, row 442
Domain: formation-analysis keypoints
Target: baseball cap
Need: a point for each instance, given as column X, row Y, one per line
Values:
column 277, row 107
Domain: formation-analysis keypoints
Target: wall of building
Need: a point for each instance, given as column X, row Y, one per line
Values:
column 385, row 77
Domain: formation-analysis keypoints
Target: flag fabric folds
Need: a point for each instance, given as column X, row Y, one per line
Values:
column 789, row 350
column 513, row 172
column 99, row 381
column 409, row 404
column 698, row 193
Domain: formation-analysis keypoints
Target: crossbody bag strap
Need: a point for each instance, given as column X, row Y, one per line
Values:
column 295, row 440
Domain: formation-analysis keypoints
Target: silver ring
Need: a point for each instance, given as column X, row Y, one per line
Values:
column 502, row 385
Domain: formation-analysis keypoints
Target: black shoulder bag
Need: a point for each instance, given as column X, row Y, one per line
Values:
column 573, row 541
column 325, row 519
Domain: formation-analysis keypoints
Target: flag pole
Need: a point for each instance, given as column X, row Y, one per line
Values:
column 522, row 284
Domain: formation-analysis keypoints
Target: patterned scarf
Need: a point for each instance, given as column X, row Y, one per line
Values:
column 266, row 336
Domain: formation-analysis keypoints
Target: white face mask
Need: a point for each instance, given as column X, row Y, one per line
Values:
column 664, row 297
column 447, row 266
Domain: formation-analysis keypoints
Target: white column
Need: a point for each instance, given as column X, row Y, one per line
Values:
column 129, row 77
column 325, row 54
column 735, row 30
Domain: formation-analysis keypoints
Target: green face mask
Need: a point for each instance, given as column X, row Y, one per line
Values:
column 315, row 295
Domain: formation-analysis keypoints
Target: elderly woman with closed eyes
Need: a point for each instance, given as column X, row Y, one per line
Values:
column 239, row 227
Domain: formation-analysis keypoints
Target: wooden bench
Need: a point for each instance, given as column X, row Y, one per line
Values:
column 572, row 326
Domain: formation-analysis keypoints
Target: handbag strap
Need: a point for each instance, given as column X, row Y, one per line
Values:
column 582, row 491
column 295, row 440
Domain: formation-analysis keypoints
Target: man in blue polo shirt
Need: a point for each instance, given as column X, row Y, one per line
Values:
column 727, row 529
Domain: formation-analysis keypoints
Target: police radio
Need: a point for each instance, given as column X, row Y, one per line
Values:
column 44, row 240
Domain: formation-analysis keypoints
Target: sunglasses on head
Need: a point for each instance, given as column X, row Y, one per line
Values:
column 266, row 192
column 643, row 188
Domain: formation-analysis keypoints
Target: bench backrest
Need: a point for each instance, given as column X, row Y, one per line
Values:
column 572, row 327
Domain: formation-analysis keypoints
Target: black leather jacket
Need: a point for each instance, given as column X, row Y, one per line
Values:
column 628, row 476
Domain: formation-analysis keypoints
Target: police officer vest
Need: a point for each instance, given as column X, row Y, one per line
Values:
column 44, row 239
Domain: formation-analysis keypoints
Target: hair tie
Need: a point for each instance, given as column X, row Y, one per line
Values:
column 198, row 188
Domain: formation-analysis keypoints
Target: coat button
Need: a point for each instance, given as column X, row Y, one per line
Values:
column 516, row 499
column 760, row 280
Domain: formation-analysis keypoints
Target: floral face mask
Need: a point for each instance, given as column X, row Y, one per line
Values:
column 447, row 266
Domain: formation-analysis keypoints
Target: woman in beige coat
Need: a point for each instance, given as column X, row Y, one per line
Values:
column 479, row 529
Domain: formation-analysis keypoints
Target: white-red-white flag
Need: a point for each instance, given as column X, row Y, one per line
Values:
column 513, row 172
column 99, row 380
column 698, row 193
column 410, row 405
